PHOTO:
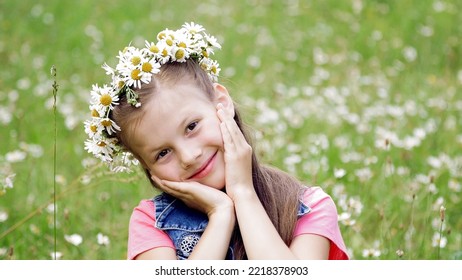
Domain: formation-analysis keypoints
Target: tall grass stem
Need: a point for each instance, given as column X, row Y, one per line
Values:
column 55, row 137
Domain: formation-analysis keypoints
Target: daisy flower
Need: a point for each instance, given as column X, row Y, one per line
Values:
column 101, row 148
column 125, row 57
column 109, row 70
column 164, row 52
column 93, row 127
column 193, row 28
column 149, row 66
column 164, row 34
column 104, row 97
column 212, row 43
column 211, row 67
column 109, row 125
column 179, row 54
column 151, row 49
column 97, row 111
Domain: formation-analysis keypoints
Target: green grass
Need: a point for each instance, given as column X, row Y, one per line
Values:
column 335, row 74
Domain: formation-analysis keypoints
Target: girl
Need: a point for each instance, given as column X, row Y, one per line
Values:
column 165, row 109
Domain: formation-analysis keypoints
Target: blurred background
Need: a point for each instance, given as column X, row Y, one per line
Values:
column 360, row 97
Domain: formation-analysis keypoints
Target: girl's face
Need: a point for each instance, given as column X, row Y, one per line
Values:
column 178, row 137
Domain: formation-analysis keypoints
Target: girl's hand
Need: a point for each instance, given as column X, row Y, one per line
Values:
column 218, row 207
column 238, row 156
column 200, row 197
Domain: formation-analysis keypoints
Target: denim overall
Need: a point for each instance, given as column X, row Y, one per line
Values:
column 185, row 226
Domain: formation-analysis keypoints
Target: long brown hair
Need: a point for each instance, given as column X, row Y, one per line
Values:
column 278, row 191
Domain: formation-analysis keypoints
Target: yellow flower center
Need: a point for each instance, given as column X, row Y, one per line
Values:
column 106, row 122
column 135, row 60
column 165, row 53
column 94, row 113
column 136, row 74
column 101, row 143
column 179, row 54
column 204, row 66
column 205, row 54
column 93, row 128
column 161, row 35
column 169, row 42
column 147, row 67
column 182, row 45
column 105, row 99
column 154, row 49
column 120, row 84
column 214, row 69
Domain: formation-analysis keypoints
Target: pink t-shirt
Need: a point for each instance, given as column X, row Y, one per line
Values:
column 322, row 220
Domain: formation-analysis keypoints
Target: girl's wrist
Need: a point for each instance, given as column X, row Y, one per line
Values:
column 222, row 216
column 223, row 208
column 243, row 193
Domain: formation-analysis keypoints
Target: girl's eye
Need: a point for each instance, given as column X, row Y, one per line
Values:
column 191, row 126
column 162, row 154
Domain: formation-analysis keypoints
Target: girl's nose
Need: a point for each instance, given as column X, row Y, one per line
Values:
column 188, row 156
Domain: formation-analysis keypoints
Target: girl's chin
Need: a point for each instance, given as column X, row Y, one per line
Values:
column 216, row 186
column 216, row 180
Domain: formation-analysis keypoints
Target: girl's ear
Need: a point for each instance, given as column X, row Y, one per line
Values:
column 222, row 96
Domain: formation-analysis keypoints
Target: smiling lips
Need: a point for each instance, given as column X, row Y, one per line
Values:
column 205, row 169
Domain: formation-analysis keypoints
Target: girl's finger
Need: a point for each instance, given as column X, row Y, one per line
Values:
column 231, row 124
column 221, row 111
column 227, row 139
column 235, row 133
column 167, row 186
column 177, row 186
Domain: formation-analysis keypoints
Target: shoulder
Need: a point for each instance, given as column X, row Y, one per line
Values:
column 144, row 210
column 317, row 199
column 323, row 211
column 143, row 235
column 322, row 220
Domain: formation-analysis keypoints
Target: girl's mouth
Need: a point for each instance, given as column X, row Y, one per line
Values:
column 205, row 169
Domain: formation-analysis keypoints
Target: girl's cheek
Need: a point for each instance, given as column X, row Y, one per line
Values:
column 170, row 172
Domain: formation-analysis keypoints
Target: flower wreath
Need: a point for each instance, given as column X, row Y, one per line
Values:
column 136, row 67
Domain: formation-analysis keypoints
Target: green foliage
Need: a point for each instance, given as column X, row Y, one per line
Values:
column 371, row 89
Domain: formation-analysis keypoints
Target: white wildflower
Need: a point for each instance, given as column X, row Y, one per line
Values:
column 410, row 53
column 453, row 185
column 368, row 253
column 3, row 251
column 74, row 239
column 345, row 219
column 56, row 255
column 339, row 172
column 50, row 208
column 364, row 174
column 15, row 156
column 102, row 239
column 438, row 240
column 8, row 183
column 3, row 216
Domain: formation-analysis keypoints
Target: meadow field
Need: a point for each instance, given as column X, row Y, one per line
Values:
column 360, row 97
